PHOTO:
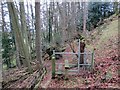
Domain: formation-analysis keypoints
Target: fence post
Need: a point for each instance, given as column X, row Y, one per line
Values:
column 53, row 65
column 79, row 57
column 85, row 55
column 92, row 63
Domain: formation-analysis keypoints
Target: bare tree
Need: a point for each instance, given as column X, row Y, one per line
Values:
column 38, row 35
column 24, row 28
column 1, row 69
column 84, row 16
column 18, row 35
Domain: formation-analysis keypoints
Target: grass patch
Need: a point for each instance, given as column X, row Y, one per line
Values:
column 105, row 32
column 108, row 33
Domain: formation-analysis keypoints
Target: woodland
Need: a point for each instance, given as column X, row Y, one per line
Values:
column 56, row 45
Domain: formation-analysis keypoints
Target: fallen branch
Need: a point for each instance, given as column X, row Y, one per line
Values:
column 40, row 79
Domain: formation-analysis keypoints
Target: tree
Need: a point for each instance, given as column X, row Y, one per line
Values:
column 17, row 33
column 24, row 29
column 84, row 16
column 94, row 14
column 38, row 35
column 1, row 69
column 50, row 21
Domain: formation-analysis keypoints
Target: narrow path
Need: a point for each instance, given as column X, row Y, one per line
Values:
column 47, row 78
column 46, row 83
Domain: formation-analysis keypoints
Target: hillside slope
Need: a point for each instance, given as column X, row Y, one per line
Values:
column 105, row 74
column 105, row 42
column 105, row 39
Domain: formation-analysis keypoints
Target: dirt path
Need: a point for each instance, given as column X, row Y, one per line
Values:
column 105, row 73
column 47, row 78
column 47, row 81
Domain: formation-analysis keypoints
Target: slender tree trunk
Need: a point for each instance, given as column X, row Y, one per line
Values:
column 84, row 17
column 19, row 49
column 78, row 16
column 38, row 35
column 24, row 28
column 1, row 67
column 17, row 56
column 28, row 28
column 33, row 27
column 73, row 8
column 64, row 29
column 18, row 35
column 18, row 52
column 50, row 22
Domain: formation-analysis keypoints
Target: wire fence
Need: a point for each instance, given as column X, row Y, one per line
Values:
column 74, row 61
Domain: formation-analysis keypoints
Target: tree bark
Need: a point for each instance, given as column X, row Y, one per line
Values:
column 18, row 34
column 18, row 63
column 38, row 35
column 24, row 28
column 33, row 28
column 84, row 17
column 1, row 67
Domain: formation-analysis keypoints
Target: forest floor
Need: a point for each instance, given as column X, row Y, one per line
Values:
column 105, row 74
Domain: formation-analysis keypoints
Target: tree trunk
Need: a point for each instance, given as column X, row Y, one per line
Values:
column 84, row 17
column 24, row 28
column 33, row 27
column 1, row 69
column 28, row 27
column 17, row 56
column 50, row 22
column 38, row 35
column 17, row 33
column 64, row 32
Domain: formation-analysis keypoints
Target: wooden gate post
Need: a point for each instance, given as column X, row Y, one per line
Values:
column 53, row 65
column 92, row 62
column 79, row 57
